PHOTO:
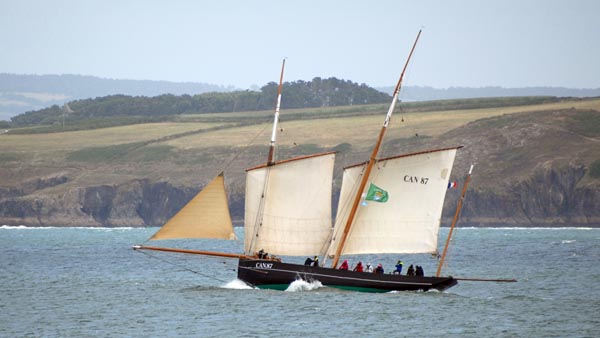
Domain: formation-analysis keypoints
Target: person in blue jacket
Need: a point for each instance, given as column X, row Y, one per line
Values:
column 399, row 267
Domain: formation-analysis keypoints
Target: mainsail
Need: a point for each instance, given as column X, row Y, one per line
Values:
column 288, row 206
column 205, row 216
column 408, row 221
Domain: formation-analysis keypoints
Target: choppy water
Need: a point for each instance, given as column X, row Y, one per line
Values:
column 61, row 282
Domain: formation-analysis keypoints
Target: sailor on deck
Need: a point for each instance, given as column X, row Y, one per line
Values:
column 410, row 271
column 399, row 267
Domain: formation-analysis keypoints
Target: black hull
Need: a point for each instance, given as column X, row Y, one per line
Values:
column 276, row 275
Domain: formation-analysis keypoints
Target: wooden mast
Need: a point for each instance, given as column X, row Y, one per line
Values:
column 371, row 162
column 270, row 160
column 458, row 207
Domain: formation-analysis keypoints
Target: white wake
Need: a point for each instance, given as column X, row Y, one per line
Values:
column 302, row 285
column 237, row 284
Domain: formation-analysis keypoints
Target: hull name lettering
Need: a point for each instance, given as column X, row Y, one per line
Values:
column 264, row 265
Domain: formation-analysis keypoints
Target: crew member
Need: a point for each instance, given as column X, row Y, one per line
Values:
column 399, row 267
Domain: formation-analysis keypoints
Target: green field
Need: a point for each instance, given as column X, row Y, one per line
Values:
column 191, row 143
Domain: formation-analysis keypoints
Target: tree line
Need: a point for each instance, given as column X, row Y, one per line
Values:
column 298, row 94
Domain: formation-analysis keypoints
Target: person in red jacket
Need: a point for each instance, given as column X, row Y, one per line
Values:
column 358, row 267
column 344, row 265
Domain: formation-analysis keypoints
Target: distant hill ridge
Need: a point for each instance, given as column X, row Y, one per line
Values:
column 21, row 93
column 85, row 86
column 316, row 93
column 425, row 93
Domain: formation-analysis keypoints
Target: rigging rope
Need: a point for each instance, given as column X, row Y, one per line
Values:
column 180, row 266
column 228, row 164
column 260, row 213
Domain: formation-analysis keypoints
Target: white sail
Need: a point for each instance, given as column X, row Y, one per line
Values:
column 408, row 221
column 295, row 217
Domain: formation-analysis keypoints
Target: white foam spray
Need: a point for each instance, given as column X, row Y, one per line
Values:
column 302, row 285
column 237, row 284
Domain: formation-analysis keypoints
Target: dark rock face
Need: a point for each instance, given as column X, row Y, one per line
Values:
column 98, row 202
column 135, row 203
column 160, row 201
column 19, row 208
column 551, row 197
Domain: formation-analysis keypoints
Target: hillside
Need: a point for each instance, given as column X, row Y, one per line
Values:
column 21, row 93
column 122, row 109
column 532, row 161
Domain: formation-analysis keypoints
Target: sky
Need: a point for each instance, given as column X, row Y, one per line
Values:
column 470, row 43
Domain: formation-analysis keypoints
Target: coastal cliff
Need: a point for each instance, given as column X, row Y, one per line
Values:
column 552, row 197
column 531, row 169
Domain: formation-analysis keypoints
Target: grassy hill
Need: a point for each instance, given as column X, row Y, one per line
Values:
column 511, row 141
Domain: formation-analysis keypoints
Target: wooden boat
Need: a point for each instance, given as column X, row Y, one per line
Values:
column 389, row 205
column 269, row 274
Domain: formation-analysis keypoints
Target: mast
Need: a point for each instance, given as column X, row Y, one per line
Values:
column 270, row 160
column 458, row 207
column 372, row 160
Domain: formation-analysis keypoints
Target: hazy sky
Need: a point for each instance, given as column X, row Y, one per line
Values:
column 509, row 43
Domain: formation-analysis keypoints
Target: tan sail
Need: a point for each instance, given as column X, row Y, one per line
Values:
column 408, row 221
column 205, row 216
column 295, row 216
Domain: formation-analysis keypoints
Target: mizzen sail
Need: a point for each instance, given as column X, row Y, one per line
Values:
column 290, row 213
column 407, row 220
column 205, row 216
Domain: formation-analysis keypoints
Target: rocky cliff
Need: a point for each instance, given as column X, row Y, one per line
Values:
column 137, row 202
column 530, row 170
column 550, row 197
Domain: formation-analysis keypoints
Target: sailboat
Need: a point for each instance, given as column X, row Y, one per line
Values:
column 386, row 205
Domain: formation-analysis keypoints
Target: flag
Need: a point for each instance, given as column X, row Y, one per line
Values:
column 376, row 194
column 451, row 185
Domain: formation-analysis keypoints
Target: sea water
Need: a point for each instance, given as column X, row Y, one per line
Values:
column 88, row 282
